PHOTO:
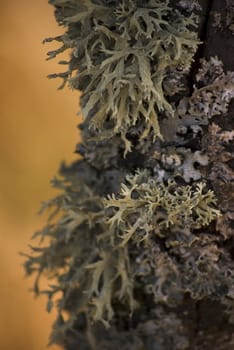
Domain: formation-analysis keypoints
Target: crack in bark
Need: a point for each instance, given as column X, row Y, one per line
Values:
column 202, row 33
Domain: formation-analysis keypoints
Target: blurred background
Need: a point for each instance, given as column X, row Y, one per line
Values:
column 38, row 131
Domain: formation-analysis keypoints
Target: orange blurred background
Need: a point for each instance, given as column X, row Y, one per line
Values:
column 38, row 131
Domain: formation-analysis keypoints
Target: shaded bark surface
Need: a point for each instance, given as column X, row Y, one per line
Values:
column 211, row 329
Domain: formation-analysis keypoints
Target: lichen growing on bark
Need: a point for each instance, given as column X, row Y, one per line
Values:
column 120, row 58
column 139, row 240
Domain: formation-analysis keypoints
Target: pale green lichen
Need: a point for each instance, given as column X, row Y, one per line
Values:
column 121, row 58
column 89, row 250
column 136, row 251
column 149, row 207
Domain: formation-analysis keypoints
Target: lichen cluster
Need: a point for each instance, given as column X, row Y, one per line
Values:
column 92, row 242
column 121, row 57
column 137, row 245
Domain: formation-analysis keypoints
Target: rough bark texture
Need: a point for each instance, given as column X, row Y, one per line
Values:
column 143, row 254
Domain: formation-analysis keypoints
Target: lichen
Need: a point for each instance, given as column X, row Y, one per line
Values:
column 88, row 254
column 123, row 82
column 212, row 94
column 139, row 243
column 224, row 19
column 147, row 207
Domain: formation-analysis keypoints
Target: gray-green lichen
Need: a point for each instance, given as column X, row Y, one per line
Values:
column 139, row 238
column 90, row 243
column 120, row 60
column 147, row 207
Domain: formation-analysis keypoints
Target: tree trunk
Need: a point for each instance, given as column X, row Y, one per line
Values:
column 143, row 253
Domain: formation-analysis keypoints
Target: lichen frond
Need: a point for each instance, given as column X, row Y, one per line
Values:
column 151, row 208
column 122, row 83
